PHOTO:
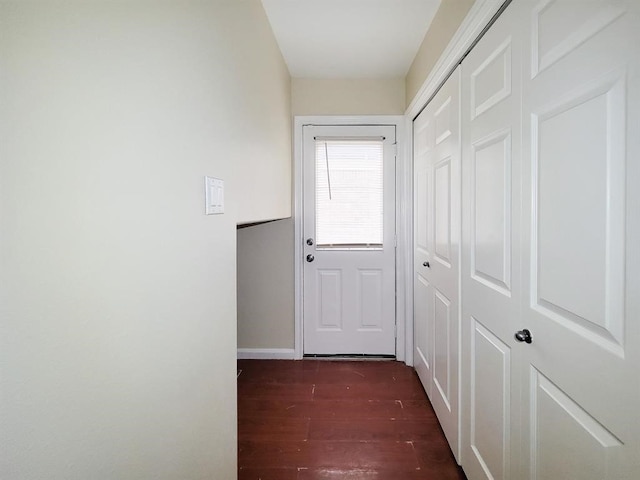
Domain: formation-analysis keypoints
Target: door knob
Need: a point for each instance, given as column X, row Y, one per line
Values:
column 523, row 336
column 310, row 258
column 309, row 241
column 426, row 264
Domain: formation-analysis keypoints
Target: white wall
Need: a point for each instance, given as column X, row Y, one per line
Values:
column 117, row 295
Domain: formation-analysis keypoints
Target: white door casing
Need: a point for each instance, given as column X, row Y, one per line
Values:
column 436, row 254
column 349, row 291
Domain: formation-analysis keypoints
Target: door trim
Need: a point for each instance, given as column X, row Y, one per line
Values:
column 403, row 221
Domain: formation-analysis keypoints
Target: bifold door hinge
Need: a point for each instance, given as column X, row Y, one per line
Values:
column 395, row 149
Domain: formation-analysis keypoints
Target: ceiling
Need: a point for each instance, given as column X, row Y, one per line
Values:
column 349, row 38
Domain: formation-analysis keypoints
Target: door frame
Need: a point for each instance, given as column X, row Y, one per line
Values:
column 403, row 226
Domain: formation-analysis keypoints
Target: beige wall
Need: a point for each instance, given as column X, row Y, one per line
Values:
column 117, row 295
column 347, row 96
column 444, row 25
column 260, row 113
column 265, row 285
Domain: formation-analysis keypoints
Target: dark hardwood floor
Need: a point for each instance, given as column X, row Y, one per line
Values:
column 329, row 420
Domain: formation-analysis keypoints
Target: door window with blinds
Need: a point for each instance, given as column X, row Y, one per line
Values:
column 349, row 192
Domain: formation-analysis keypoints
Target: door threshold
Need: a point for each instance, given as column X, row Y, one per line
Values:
column 351, row 357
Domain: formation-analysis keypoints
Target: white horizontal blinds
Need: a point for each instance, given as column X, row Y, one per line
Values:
column 349, row 192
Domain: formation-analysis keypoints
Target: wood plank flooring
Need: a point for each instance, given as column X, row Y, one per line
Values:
column 329, row 420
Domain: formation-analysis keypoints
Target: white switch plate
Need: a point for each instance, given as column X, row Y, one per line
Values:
column 214, row 195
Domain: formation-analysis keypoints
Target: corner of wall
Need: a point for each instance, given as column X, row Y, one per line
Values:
column 444, row 25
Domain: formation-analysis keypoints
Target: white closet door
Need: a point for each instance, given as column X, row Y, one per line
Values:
column 581, row 165
column 551, row 115
column 491, row 286
column 437, row 236
column 423, row 144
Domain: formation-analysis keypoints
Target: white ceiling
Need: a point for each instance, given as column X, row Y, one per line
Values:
column 349, row 38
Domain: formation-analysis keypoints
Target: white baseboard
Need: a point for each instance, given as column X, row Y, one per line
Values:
column 266, row 354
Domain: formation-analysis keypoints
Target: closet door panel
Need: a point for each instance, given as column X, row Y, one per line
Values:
column 490, row 249
column 423, row 147
column 437, row 250
column 490, row 273
column 490, row 404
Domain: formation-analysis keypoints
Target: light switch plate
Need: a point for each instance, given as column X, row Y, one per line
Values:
column 214, row 195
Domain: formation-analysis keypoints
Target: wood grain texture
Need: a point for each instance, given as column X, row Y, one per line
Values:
column 307, row 420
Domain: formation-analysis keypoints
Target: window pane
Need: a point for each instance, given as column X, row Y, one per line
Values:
column 349, row 194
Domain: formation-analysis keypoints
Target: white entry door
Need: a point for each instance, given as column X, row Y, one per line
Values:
column 436, row 253
column 349, row 240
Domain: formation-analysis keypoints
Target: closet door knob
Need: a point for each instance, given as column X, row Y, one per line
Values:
column 523, row 336
column 426, row 264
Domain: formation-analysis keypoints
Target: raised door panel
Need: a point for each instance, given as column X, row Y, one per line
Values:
column 491, row 211
column 443, row 362
column 442, row 211
column 444, row 119
column 369, row 290
column 553, row 411
column 490, row 382
column 421, row 205
column 560, row 27
column 578, row 225
column 424, row 141
column 329, row 300
column 423, row 332
column 490, row 82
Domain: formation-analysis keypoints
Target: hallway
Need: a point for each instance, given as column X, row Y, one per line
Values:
column 317, row 419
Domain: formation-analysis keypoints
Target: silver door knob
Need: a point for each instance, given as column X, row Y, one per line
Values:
column 309, row 241
column 426, row 264
column 310, row 258
column 523, row 336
